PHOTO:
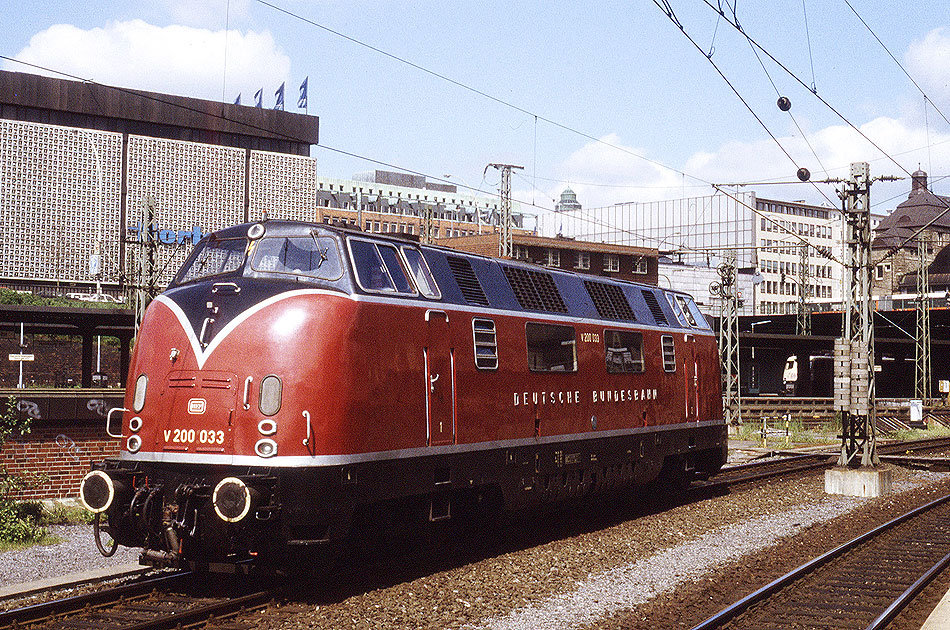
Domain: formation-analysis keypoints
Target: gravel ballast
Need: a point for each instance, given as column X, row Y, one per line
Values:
column 659, row 569
column 76, row 553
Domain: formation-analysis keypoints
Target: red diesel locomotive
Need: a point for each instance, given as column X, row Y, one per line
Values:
column 295, row 377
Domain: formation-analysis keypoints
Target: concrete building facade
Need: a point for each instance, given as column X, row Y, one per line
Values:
column 86, row 168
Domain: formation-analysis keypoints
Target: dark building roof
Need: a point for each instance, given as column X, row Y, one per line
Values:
column 39, row 99
column 938, row 274
column 918, row 210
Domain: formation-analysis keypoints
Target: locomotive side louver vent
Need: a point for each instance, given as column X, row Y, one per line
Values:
column 610, row 301
column 535, row 290
column 654, row 306
column 468, row 282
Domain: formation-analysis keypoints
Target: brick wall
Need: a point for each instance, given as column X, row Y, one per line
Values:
column 58, row 360
column 61, row 452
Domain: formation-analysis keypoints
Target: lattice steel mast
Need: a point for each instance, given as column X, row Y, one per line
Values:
column 725, row 290
column 427, row 225
column 804, row 314
column 504, row 240
column 854, row 351
column 922, row 339
column 142, row 262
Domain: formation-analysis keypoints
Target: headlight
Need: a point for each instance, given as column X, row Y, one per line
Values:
column 138, row 399
column 231, row 499
column 133, row 444
column 97, row 491
column 265, row 448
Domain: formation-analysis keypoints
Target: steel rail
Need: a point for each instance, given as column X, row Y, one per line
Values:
column 180, row 619
column 51, row 609
column 749, row 468
column 907, row 596
column 731, row 612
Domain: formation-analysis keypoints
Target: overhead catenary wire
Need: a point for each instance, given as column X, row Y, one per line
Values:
column 811, row 59
column 665, row 7
column 289, row 137
column 387, row 164
column 895, row 60
column 476, row 91
column 781, row 65
column 251, row 126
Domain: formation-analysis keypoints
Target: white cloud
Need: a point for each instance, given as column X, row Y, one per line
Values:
column 205, row 12
column 928, row 61
column 172, row 59
column 606, row 172
column 602, row 175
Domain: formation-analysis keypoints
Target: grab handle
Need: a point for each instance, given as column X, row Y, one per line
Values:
column 247, row 385
column 306, row 414
column 109, row 421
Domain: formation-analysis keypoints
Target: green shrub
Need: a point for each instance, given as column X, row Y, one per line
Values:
column 19, row 521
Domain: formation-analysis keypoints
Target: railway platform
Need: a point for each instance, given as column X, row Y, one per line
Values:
column 72, row 579
column 939, row 619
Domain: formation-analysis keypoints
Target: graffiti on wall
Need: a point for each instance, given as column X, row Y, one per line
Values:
column 66, row 443
column 30, row 408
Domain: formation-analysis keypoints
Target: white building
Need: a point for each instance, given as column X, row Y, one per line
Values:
column 767, row 235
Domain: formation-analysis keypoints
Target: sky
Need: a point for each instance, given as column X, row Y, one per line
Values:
column 615, row 100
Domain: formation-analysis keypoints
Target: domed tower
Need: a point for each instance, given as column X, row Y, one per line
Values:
column 919, row 185
column 568, row 201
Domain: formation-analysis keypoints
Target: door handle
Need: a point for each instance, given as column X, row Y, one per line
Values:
column 432, row 380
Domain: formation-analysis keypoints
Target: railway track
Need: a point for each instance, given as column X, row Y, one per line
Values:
column 167, row 601
column 170, row 601
column 862, row 584
column 792, row 463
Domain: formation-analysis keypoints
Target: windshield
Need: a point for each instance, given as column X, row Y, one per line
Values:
column 213, row 257
column 313, row 256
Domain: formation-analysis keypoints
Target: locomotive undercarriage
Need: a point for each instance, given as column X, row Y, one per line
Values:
column 296, row 517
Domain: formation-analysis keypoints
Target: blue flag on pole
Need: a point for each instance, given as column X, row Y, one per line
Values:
column 280, row 98
column 237, row 101
column 259, row 98
column 302, row 101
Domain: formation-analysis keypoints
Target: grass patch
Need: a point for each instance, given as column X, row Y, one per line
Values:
column 65, row 514
column 46, row 539
column 935, row 430
column 796, row 433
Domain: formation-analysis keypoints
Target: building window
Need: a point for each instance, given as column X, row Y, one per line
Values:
column 611, row 262
column 640, row 264
column 520, row 252
column 553, row 258
column 582, row 260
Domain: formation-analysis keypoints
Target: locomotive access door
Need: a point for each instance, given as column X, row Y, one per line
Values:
column 440, row 380
column 691, row 373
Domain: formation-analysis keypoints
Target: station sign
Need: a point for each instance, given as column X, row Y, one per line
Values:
column 22, row 357
column 161, row 235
